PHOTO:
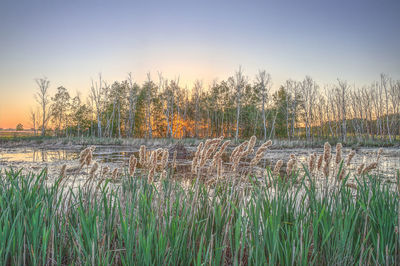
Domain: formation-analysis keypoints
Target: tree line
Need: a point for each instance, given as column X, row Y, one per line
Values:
column 236, row 107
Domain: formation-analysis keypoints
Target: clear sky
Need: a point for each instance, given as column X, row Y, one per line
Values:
column 70, row 42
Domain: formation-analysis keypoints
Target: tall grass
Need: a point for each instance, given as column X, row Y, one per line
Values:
column 290, row 222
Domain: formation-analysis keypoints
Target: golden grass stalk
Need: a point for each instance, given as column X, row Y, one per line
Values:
column 311, row 163
column 327, row 152
column 196, row 157
column 150, row 176
column 320, row 160
column 342, row 173
column 370, row 167
column 63, row 171
column 338, row 153
column 93, row 169
column 114, row 174
column 360, row 168
column 105, row 171
column 379, row 154
column 250, row 146
column 290, row 165
column 277, row 167
column 326, row 169
column 220, row 168
column 238, row 150
column 89, row 157
column 132, row 165
column 142, row 155
column 174, row 159
column 260, row 153
column 350, row 157
column 82, row 155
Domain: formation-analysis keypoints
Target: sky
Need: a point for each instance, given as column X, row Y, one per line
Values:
column 71, row 42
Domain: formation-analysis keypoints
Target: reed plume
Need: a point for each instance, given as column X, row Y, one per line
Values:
column 260, row 153
column 196, row 157
column 338, row 153
column 93, row 169
column 82, row 155
column 360, row 168
column 142, row 155
column 311, row 162
column 105, row 171
column 174, row 159
column 326, row 169
column 250, row 146
column 370, row 167
column 290, row 165
column 220, row 168
column 132, row 165
column 150, row 176
column 89, row 157
column 114, row 174
column 327, row 152
column 342, row 173
column 320, row 160
column 277, row 167
column 63, row 171
column 350, row 157
column 379, row 154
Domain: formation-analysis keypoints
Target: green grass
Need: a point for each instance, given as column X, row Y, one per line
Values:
column 140, row 224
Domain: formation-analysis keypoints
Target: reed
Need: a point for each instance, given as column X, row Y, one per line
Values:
column 138, row 223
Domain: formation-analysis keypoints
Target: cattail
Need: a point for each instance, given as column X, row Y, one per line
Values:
column 196, row 157
column 164, row 158
column 327, row 152
column 114, row 174
column 289, row 167
column 222, row 149
column 256, row 159
column 132, row 165
column 277, row 167
column 350, row 157
column 150, row 177
column 311, row 162
column 250, row 146
column 320, row 160
column 105, row 171
column 338, row 153
column 142, row 155
column 93, row 169
column 220, row 169
column 82, row 155
column 326, row 169
column 89, row 157
column 163, row 174
column 370, row 167
column 342, row 173
column 360, row 168
column 63, row 171
column 351, row 185
column 379, row 154
column 238, row 150
column 174, row 159
column 260, row 153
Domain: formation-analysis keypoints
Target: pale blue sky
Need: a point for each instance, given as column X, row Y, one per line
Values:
column 71, row 41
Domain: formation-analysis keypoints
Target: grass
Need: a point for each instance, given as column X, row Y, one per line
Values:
column 293, row 222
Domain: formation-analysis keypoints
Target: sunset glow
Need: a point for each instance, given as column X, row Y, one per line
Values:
column 70, row 42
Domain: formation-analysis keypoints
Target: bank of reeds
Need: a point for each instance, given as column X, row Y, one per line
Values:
column 290, row 222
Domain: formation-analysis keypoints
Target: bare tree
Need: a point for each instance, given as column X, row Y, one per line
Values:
column 238, row 83
column 133, row 94
column 96, row 96
column 42, row 98
column 263, row 82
